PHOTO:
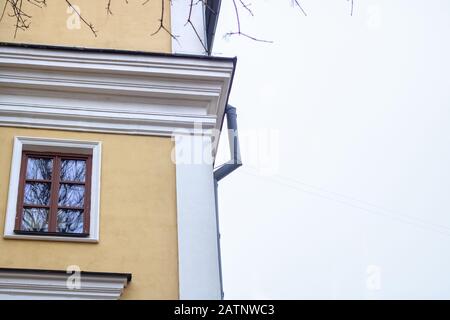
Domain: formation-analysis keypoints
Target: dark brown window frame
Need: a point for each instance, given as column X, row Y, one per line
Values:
column 55, row 183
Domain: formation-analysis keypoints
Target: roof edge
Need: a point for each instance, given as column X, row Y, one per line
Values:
column 117, row 51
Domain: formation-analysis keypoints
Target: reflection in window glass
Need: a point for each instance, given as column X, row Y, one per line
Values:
column 35, row 219
column 39, row 169
column 71, row 195
column 73, row 170
column 37, row 194
column 70, row 221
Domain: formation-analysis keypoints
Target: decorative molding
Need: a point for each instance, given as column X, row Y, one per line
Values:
column 115, row 92
column 52, row 145
column 22, row 284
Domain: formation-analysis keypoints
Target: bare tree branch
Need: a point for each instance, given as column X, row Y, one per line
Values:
column 246, row 7
column 4, row 10
column 189, row 21
column 207, row 6
column 108, row 7
column 229, row 34
column 23, row 20
column 38, row 3
column 295, row 2
column 239, row 32
column 91, row 27
column 161, row 22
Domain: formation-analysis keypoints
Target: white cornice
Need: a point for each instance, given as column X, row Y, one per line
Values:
column 111, row 91
column 44, row 285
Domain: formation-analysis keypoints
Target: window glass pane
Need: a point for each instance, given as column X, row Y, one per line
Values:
column 70, row 221
column 71, row 195
column 35, row 219
column 73, row 170
column 37, row 193
column 39, row 168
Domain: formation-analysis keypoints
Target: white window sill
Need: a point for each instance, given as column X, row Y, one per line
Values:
column 50, row 238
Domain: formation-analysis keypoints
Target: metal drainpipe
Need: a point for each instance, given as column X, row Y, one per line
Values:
column 224, row 170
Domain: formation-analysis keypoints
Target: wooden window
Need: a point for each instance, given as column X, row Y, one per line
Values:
column 54, row 194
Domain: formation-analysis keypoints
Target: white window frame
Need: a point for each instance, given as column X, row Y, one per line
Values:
column 54, row 145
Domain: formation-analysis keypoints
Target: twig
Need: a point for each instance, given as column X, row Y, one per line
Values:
column 239, row 32
column 189, row 21
column 161, row 22
column 38, row 3
column 82, row 19
column 246, row 7
column 229, row 34
column 298, row 5
column 108, row 8
column 4, row 10
column 21, row 17
column 207, row 6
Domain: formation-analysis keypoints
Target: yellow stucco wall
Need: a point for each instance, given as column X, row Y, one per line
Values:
column 138, row 228
column 130, row 27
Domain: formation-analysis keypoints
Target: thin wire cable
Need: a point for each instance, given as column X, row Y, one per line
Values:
column 399, row 217
column 353, row 199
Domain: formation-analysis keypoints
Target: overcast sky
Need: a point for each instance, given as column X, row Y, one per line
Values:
column 345, row 128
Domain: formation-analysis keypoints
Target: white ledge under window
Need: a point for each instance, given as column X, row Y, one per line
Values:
column 54, row 145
